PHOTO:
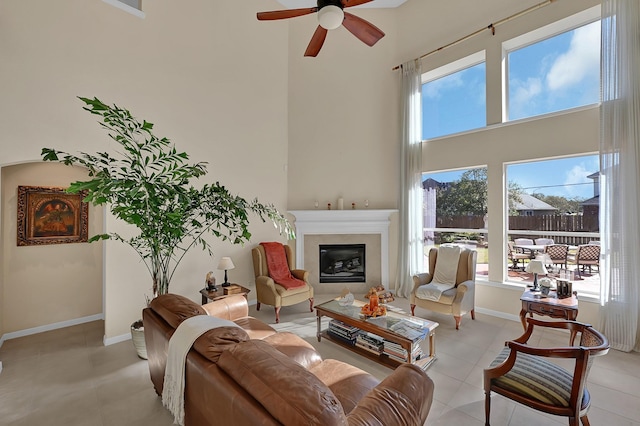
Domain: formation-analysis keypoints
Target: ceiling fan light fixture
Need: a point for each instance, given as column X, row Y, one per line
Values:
column 330, row 17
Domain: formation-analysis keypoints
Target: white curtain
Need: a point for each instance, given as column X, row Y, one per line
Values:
column 620, row 172
column 410, row 252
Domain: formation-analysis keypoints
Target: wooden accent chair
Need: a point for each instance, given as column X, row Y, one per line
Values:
column 526, row 374
column 457, row 301
column 270, row 293
column 586, row 256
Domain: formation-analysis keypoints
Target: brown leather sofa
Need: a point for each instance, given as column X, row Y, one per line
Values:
column 254, row 375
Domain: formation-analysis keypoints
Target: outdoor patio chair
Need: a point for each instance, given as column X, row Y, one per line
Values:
column 515, row 256
column 557, row 254
column 588, row 255
column 544, row 241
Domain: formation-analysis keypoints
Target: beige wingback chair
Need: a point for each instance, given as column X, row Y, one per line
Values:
column 457, row 301
column 270, row 293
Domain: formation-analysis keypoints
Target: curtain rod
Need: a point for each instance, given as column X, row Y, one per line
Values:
column 491, row 27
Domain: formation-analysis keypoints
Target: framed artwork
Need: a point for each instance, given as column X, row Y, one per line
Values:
column 48, row 215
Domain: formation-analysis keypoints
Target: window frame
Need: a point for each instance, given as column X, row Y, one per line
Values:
column 538, row 35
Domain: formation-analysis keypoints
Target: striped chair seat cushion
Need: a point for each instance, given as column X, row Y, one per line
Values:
column 535, row 378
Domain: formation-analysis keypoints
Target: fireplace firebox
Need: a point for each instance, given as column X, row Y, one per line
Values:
column 342, row 263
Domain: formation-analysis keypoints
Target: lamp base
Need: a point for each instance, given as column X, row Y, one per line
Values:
column 535, row 283
column 225, row 284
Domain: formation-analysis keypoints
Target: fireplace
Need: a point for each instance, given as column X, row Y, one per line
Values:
column 342, row 263
column 336, row 227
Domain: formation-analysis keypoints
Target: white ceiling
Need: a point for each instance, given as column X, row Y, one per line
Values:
column 299, row 4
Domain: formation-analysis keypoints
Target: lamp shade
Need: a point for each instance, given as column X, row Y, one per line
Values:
column 536, row 267
column 330, row 17
column 225, row 264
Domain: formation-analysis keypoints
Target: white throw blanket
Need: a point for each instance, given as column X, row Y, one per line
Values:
column 444, row 277
column 432, row 291
column 179, row 345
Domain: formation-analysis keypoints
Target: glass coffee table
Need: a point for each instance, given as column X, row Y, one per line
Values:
column 397, row 329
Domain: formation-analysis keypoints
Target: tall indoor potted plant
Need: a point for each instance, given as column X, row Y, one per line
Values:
column 146, row 183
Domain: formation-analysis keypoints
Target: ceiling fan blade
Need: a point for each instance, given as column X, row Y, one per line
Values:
column 351, row 3
column 364, row 30
column 284, row 14
column 316, row 42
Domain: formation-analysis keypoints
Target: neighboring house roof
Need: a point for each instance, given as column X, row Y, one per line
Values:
column 530, row 202
column 594, row 201
column 432, row 183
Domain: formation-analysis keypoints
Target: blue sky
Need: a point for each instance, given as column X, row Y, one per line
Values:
column 556, row 74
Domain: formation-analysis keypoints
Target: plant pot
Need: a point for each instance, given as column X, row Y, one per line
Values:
column 137, row 335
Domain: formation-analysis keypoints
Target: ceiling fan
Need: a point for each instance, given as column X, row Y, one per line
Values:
column 331, row 15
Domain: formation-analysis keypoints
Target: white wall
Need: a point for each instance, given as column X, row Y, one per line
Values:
column 49, row 283
column 209, row 75
column 239, row 94
column 344, row 111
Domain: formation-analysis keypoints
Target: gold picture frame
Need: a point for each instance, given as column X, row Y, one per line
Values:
column 50, row 215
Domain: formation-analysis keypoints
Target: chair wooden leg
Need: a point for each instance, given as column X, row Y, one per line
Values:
column 487, row 407
column 257, row 306
column 574, row 421
column 277, row 308
column 585, row 420
column 458, row 319
column 413, row 309
column 311, row 304
column 473, row 314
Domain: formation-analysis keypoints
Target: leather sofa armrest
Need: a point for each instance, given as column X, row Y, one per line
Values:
column 404, row 397
column 231, row 308
column 300, row 274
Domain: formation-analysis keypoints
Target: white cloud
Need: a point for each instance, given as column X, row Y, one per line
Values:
column 582, row 58
column 521, row 94
column 578, row 175
column 434, row 88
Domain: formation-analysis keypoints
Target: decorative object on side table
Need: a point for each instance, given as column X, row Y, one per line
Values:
column 232, row 289
column 226, row 264
column 211, row 281
column 545, row 286
column 536, row 267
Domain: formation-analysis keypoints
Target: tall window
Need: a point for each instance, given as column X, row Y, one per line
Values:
column 455, row 211
column 556, row 202
column 454, row 97
column 550, row 71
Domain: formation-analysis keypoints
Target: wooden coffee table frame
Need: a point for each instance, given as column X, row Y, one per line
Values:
column 364, row 325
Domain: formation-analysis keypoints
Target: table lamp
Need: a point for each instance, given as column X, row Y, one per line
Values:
column 536, row 267
column 225, row 264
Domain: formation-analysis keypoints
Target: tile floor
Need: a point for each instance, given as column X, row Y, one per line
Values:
column 67, row 377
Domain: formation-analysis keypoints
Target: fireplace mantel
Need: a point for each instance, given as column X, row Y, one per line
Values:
column 327, row 222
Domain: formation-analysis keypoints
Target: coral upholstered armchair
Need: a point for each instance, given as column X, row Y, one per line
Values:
column 271, row 287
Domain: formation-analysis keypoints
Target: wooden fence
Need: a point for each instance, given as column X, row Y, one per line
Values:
column 542, row 224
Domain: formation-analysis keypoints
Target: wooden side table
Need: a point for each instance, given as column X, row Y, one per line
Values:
column 550, row 306
column 211, row 295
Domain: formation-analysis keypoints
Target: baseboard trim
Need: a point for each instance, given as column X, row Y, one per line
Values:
column 116, row 339
column 498, row 314
column 49, row 327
